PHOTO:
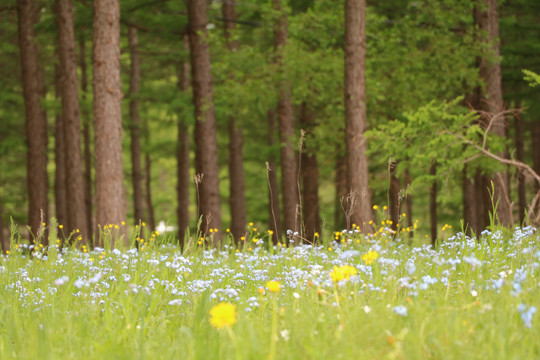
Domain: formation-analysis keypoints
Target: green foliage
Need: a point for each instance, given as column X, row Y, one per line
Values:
column 532, row 78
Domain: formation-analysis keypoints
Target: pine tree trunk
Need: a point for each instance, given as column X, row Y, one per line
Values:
column 110, row 198
column 60, row 161
column 4, row 240
column 359, row 199
column 237, row 197
column 409, row 204
column 148, row 192
column 87, row 153
column 182, row 154
column 393, row 195
column 433, row 205
column 518, row 129
column 206, row 153
column 71, row 120
column 135, row 126
column 289, row 163
column 274, row 213
column 310, row 179
column 470, row 213
column 36, row 123
column 486, row 18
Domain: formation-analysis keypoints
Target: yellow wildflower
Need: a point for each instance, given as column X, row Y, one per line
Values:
column 370, row 257
column 342, row 272
column 273, row 286
column 223, row 315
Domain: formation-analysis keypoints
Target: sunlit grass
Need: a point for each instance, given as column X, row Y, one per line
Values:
column 366, row 298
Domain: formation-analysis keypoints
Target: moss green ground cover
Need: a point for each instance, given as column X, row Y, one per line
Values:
column 366, row 298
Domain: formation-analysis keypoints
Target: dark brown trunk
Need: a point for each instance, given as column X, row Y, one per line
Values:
column 470, row 213
column 409, row 203
column 536, row 145
column 71, row 120
column 60, row 162
column 148, row 193
column 518, row 129
column 206, row 153
column 310, row 178
column 358, row 207
column 4, row 240
column 486, row 18
column 274, row 213
column 182, row 154
column 110, row 198
column 36, row 124
column 237, row 197
column 340, row 183
column 289, row 163
column 87, row 154
column 433, row 205
column 135, row 126
column 393, row 194
column 483, row 200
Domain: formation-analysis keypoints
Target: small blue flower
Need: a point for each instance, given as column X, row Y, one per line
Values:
column 526, row 315
column 400, row 310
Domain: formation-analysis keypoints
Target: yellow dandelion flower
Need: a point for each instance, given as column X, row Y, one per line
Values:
column 375, row 207
column 370, row 257
column 273, row 286
column 223, row 315
column 60, row 227
column 342, row 272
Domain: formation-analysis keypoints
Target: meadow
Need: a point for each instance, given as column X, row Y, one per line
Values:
column 351, row 297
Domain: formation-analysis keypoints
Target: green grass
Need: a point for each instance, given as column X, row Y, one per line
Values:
column 461, row 301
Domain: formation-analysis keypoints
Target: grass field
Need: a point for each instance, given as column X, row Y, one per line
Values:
column 351, row 298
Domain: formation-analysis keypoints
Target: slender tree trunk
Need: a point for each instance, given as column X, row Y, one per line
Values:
column 183, row 153
column 87, row 154
column 274, row 213
column 310, row 179
column 433, row 205
column 536, row 145
column 148, row 192
column 409, row 204
column 470, row 215
column 135, row 130
column 237, row 197
column 359, row 202
column 71, row 120
column 340, row 183
column 4, row 240
column 36, row 124
column 522, row 200
column 393, row 194
column 60, row 161
column 206, row 153
column 486, row 18
column 110, row 198
column 289, row 163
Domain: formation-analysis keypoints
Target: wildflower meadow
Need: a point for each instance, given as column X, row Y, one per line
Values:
column 349, row 297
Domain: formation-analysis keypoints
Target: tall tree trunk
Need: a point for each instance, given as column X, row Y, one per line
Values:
column 237, row 197
column 148, row 192
column 433, row 204
column 274, row 213
column 206, row 153
column 87, row 154
column 36, row 123
column 135, row 130
column 289, row 163
column 408, row 203
column 4, row 240
column 522, row 200
column 359, row 199
column 536, row 145
column 340, row 183
column 182, row 154
column 393, row 194
column 110, row 198
column 485, row 16
column 71, row 120
column 470, row 213
column 60, row 160
column 310, row 179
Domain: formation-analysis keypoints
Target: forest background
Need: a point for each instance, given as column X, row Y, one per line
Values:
column 427, row 82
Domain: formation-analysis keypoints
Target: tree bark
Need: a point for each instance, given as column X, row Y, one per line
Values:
column 206, row 153
column 409, row 204
column 148, row 192
column 60, row 160
column 110, row 198
column 87, row 154
column 135, row 126
column 486, row 18
column 36, row 124
column 310, row 179
column 289, row 163
column 393, row 194
column 522, row 200
column 340, row 183
column 274, row 213
column 4, row 240
column 359, row 199
column 71, row 120
column 182, row 154
column 470, row 213
column 237, row 197
column 433, row 205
